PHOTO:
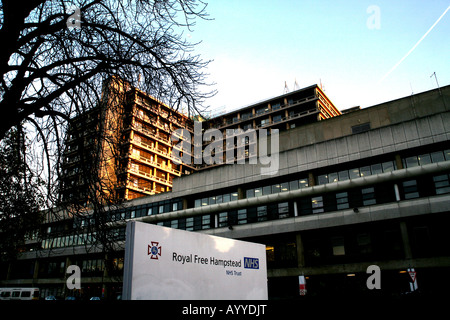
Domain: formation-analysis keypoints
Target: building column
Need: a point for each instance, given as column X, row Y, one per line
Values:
column 106, row 264
column 405, row 240
column 300, row 251
column 311, row 180
column 185, row 204
column 66, row 275
column 241, row 193
column 35, row 271
column 398, row 161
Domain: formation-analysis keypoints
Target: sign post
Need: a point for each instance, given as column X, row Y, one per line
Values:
column 166, row 263
column 302, row 285
column 413, row 285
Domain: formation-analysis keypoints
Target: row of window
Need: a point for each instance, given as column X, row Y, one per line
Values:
column 354, row 173
column 277, row 187
column 227, row 197
column 363, row 171
column 76, row 239
column 135, row 212
column 352, row 198
column 426, row 158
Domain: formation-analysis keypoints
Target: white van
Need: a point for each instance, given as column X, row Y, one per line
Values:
column 19, row 293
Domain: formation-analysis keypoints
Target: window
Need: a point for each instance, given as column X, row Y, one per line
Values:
column 361, row 128
column 242, row 216
column 266, row 190
column 342, row 200
column 206, row 222
column 333, row 177
column 190, row 223
column 283, row 210
column 368, row 196
column 322, row 179
column 276, row 188
column 447, row 154
column 388, row 166
column 424, row 159
column 223, row 219
column 261, row 213
column 303, row 183
column 442, row 184
column 270, row 253
column 410, row 189
column 337, row 244
column 437, row 156
column 411, row 162
column 293, row 185
column 365, row 171
column 376, row 168
column 276, row 106
column 277, row 118
column 262, row 110
column 317, row 204
column 246, row 115
column 343, row 175
column 364, row 243
column 354, row 173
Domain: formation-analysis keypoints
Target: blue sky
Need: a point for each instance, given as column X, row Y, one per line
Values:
column 257, row 46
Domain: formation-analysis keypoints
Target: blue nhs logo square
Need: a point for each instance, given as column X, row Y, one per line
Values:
column 251, row 263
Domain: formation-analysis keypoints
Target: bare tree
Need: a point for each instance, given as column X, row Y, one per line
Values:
column 56, row 56
column 19, row 196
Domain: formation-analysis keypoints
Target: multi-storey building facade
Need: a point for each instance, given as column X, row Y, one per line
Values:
column 125, row 145
column 285, row 112
column 370, row 187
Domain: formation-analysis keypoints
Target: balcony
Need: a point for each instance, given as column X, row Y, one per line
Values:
column 230, row 122
column 150, row 176
column 155, row 164
column 152, row 149
column 155, row 136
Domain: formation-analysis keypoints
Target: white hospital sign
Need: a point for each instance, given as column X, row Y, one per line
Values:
column 166, row 263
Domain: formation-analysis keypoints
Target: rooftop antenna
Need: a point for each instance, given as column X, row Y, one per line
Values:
column 286, row 89
column 439, row 88
column 434, row 74
column 296, row 86
column 321, row 86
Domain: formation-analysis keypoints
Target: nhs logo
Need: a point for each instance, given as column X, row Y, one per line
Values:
column 251, row 263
